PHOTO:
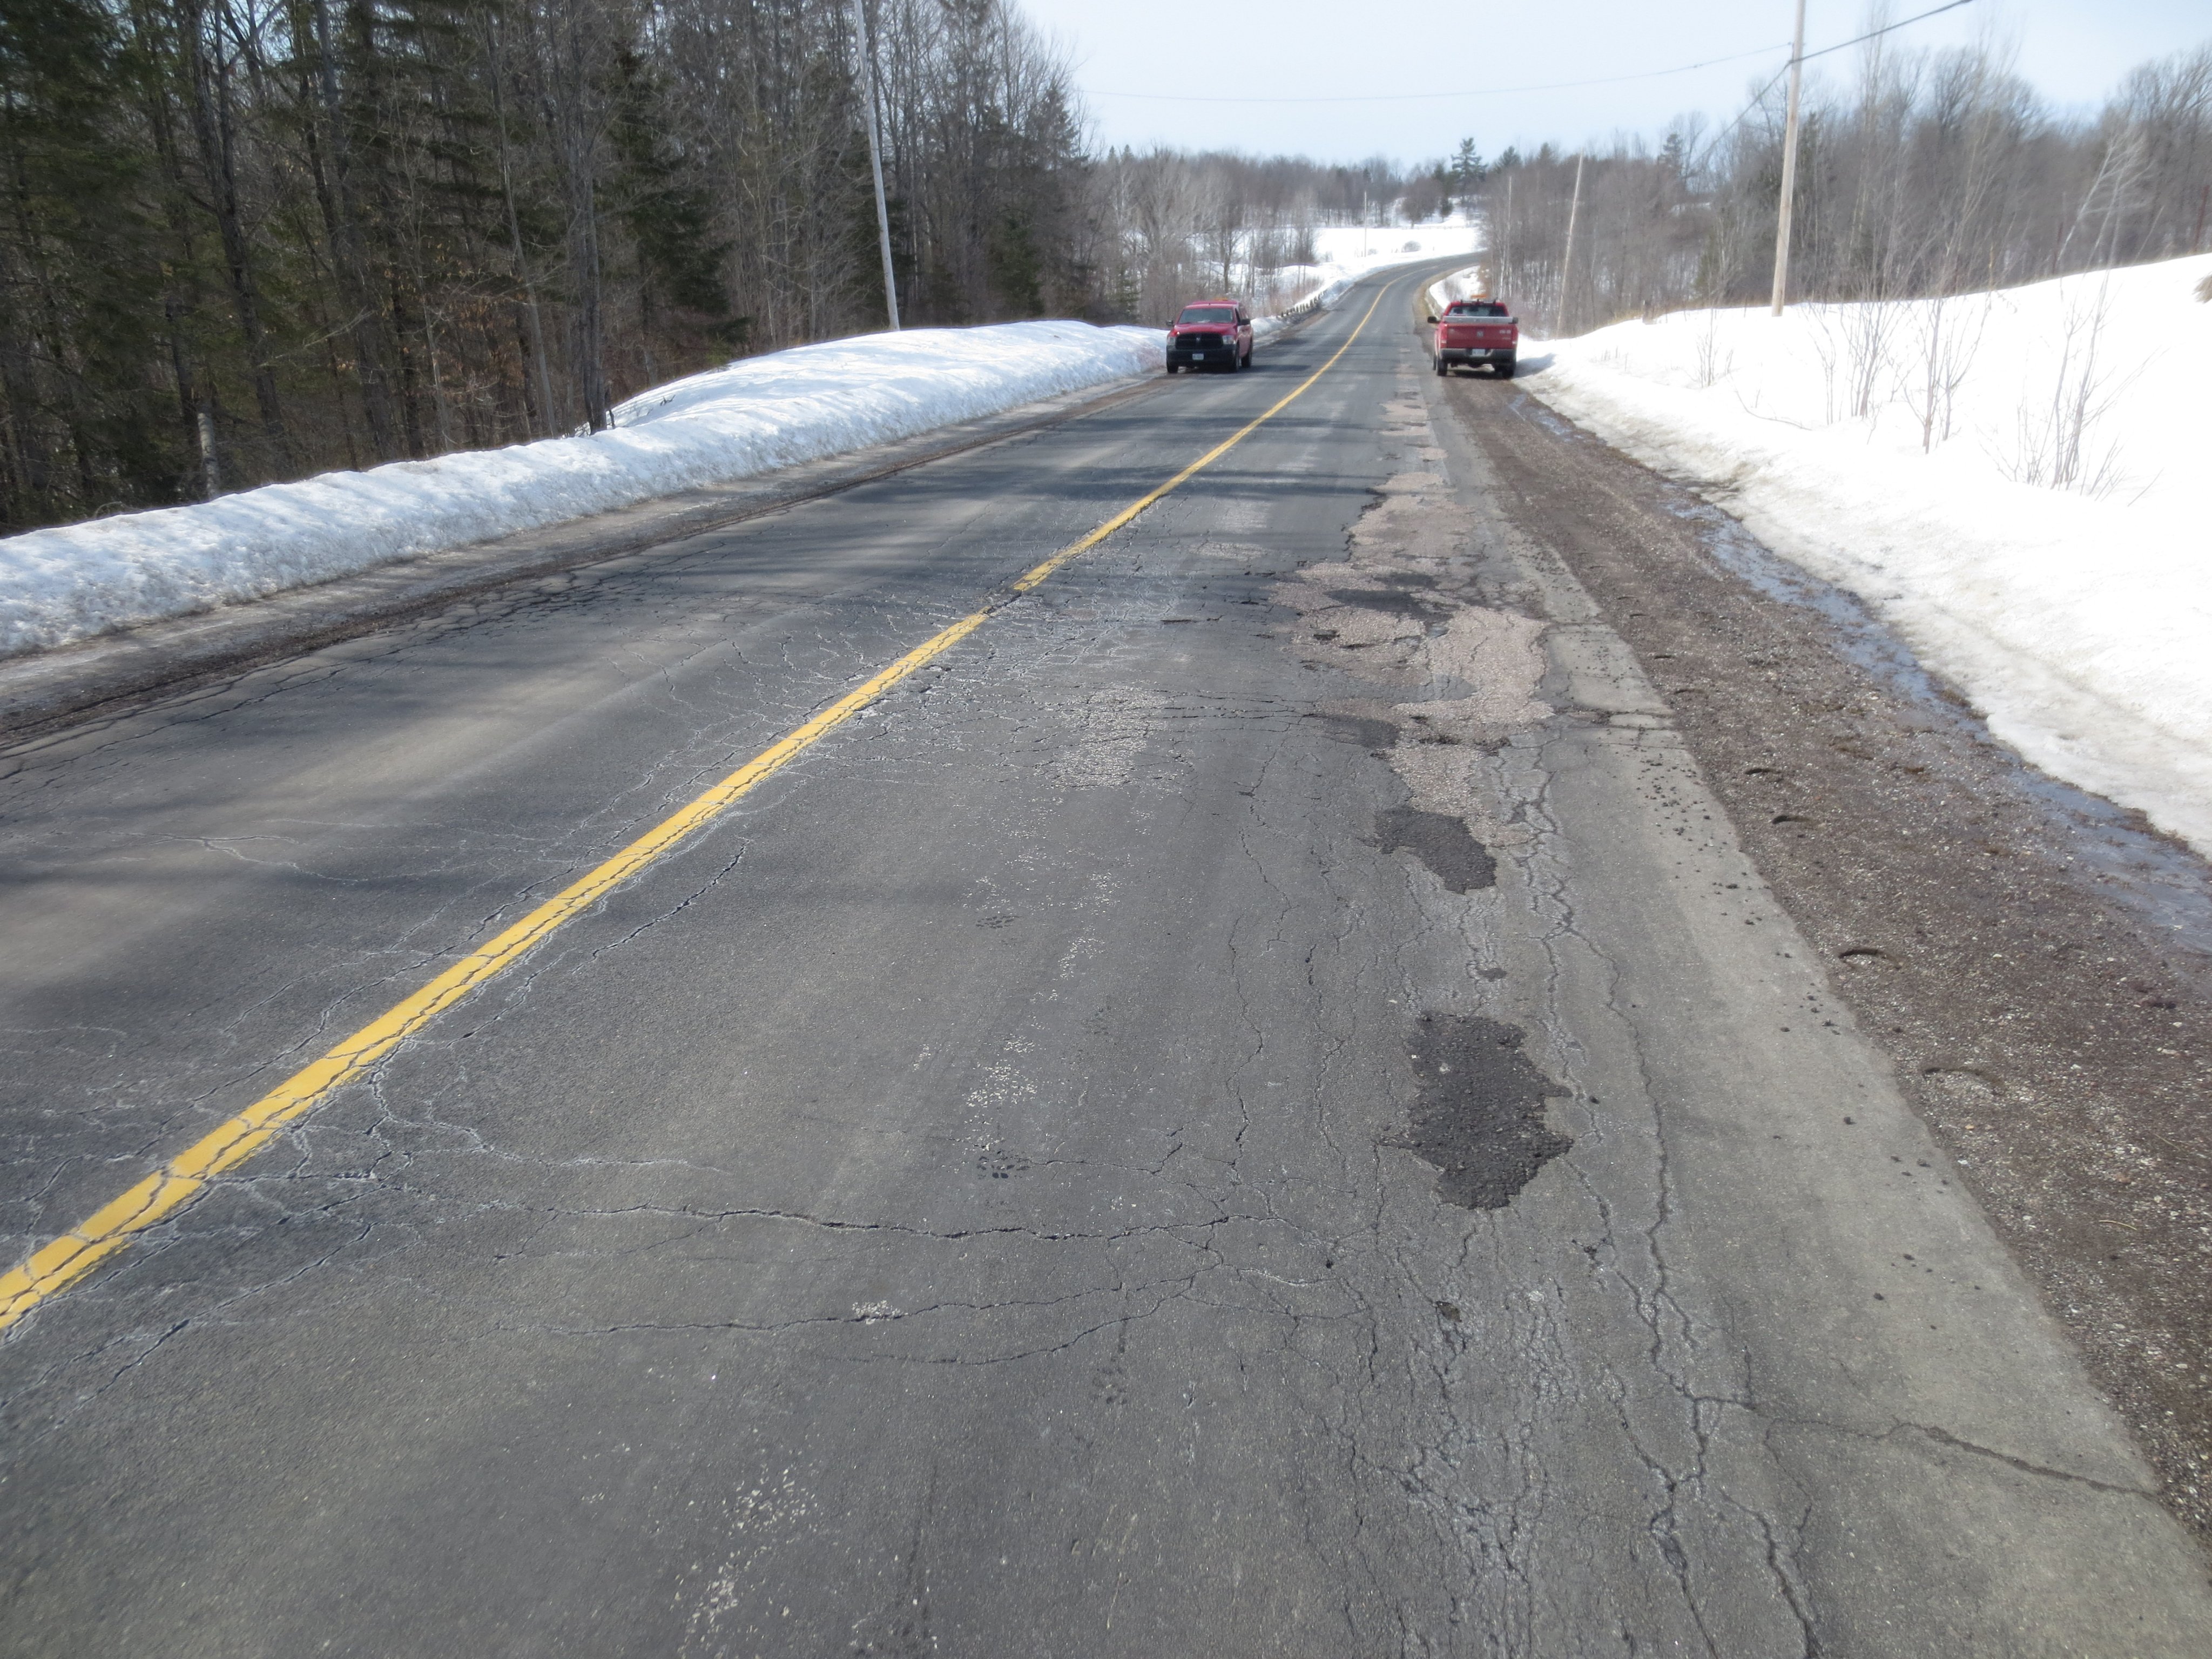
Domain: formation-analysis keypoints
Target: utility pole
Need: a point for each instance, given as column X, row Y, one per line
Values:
column 1789, row 165
column 1567, row 270
column 1505, row 243
column 876, row 158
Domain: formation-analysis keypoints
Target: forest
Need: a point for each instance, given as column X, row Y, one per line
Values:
column 1919, row 175
column 252, row 239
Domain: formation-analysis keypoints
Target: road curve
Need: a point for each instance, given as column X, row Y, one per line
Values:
column 1251, row 1105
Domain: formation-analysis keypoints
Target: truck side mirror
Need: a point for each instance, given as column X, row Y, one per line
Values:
column 1431, row 316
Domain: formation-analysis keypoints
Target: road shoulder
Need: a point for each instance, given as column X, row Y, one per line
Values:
column 42, row 691
column 1860, row 1354
column 2031, row 962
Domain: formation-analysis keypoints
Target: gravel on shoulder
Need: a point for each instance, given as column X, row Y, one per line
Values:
column 2035, row 961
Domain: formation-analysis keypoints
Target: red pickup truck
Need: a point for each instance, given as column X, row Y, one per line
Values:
column 1217, row 333
column 1473, row 331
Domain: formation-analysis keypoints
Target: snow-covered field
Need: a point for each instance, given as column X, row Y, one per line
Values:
column 758, row 414
column 1352, row 248
column 1456, row 285
column 1347, row 252
column 2020, row 482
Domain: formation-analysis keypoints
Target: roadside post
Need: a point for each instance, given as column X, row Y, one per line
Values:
column 1788, row 165
column 876, row 157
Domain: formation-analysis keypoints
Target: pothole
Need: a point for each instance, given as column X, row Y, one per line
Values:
column 1480, row 1116
column 1442, row 841
column 1357, row 729
column 1393, row 601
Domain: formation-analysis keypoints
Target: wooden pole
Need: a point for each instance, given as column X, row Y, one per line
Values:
column 1567, row 269
column 1505, row 251
column 1789, row 165
column 876, row 159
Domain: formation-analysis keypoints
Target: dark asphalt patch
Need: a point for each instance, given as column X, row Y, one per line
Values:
column 1357, row 729
column 1480, row 1115
column 1440, row 840
column 1394, row 603
column 2026, row 928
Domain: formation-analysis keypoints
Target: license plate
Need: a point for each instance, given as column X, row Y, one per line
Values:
column 1198, row 356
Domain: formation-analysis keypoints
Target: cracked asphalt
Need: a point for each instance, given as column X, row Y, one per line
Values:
column 1257, row 1108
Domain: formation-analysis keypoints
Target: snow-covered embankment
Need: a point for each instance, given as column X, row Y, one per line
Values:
column 2019, row 483
column 69, row 583
column 1345, row 253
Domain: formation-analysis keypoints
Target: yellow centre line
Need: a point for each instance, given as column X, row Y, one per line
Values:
column 55, row 1266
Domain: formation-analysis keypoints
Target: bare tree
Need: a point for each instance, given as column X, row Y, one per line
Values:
column 328, row 232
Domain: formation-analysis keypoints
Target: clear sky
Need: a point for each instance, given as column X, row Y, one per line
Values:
column 1397, row 58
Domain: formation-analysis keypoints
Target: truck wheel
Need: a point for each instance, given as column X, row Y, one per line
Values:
column 1172, row 367
column 1441, row 368
column 1505, row 369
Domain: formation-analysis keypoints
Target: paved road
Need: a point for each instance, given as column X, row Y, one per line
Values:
column 1254, row 1107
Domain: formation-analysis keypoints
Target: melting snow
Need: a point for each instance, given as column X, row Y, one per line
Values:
column 2020, row 482
column 758, row 414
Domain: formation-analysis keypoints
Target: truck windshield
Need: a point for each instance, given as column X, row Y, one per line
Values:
column 1208, row 314
column 1477, row 308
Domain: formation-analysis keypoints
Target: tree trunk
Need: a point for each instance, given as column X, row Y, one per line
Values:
column 578, row 151
column 547, row 420
column 207, row 80
column 334, row 193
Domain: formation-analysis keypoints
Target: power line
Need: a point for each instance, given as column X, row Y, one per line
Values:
column 1690, row 162
column 1551, row 86
column 1886, row 29
column 1424, row 97
column 1759, row 97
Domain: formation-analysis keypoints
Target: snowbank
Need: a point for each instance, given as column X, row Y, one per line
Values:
column 1355, row 247
column 2019, row 481
column 760, row 413
column 1453, row 287
column 1348, row 253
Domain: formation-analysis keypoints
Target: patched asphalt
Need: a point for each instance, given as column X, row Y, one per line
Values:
column 998, row 1189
